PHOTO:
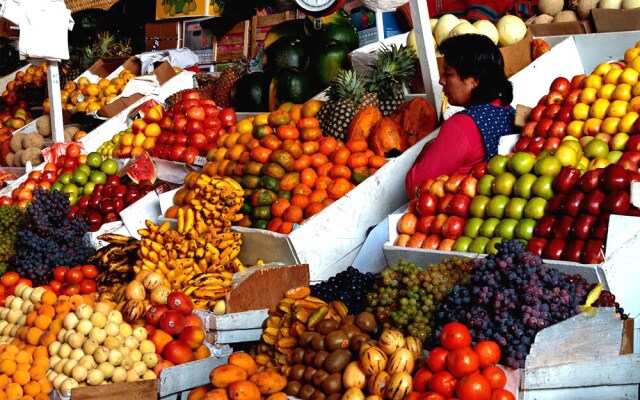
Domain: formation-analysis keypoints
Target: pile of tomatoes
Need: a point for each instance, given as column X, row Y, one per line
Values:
column 8, row 282
column 77, row 280
column 457, row 371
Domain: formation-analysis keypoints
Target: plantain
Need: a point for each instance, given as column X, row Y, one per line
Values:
column 317, row 316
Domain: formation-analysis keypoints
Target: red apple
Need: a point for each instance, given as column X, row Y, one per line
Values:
column 459, row 206
column 543, row 127
column 544, row 226
column 521, row 144
column 438, row 223
column 451, row 185
column 566, row 179
column 572, row 98
column 479, row 170
column 582, row 226
column 424, row 224
column 536, row 246
column 593, row 252
column 179, row 123
column 555, row 205
column 593, row 202
column 564, row 115
column 560, row 85
column 193, row 126
column 589, row 180
column 468, row 186
column 554, row 98
column 431, row 242
column 554, row 248
column 444, row 201
column 426, row 204
column 562, row 227
column 617, row 202
column 529, row 129
column 551, row 111
column 452, row 227
column 573, row 251
column 600, row 227
column 536, row 112
column 614, row 178
column 557, row 129
column 573, row 202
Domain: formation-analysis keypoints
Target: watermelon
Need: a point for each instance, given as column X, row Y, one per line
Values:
column 326, row 62
column 142, row 168
column 293, row 28
column 251, row 93
column 289, row 85
column 286, row 52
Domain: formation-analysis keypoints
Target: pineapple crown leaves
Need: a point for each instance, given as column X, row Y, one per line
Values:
column 395, row 65
column 346, row 85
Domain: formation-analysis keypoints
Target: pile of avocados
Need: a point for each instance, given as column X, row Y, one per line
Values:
column 300, row 58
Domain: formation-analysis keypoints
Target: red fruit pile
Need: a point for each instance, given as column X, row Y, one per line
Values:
column 176, row 332
column 9, row 281
column 77, row 280
column 458, row 371
column 576, row 221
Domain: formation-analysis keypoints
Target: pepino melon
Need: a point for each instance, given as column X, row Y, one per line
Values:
column 142, row 168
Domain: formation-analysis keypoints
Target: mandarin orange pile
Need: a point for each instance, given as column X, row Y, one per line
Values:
column 290, row 171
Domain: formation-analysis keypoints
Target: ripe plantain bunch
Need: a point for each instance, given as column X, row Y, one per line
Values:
column 115, row 263
column 217, row 202
column 195, row 259
column 296, row 313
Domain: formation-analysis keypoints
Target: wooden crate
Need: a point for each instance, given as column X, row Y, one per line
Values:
column 260, row 25
column 233, row 45
column 162, row 35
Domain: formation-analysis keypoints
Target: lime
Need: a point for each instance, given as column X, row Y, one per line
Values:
column 70, row 188
column 97, row 177
column 84, row 168
column 116, row 138
column 88, row 187
column 80, row 177
column 94, row 160
column 109, row 166
column 65, row 178
column 57, row 186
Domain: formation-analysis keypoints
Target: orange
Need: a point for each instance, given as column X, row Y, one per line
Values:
column 23, row 357
column 308, row 176
column 31, row 318
column 261, row 154
column 38, row 372
column 302, row 162
column 43, row 322
column 308, row 122
column 311, row 108
column 300, row 200
column 244, row 126
column 287, row 132
column 286, row 227
column 376, row 161
column 47, row 309
column 274, row 224
column 328, row 145
column 312, row 209
column 340, row 156
column 45, row 385
column 4, row 381
column 14, row 391
column 301, row 189
column 33, row 336
column 21, row 377
column 357, row 145
column 40, row 352
column 8, row 367
column 323, row 182
column 279, row 206
column 357, row 160
column 318, row 160
column 295, row 112
column 31, row 389
column 338, row 188
column 324, row 169
column 318, row 195
column 271, row 142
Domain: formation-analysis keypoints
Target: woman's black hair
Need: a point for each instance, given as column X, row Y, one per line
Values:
column 474, row 55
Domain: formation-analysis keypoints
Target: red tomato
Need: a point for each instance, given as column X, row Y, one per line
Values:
column 421, row 380
column 454, row 336
column 59, row 272
column 473, row 387
column 74, row 275
column 90, row 271
column 3, row 290
column 88, row 286
column 25, row 281
column 488, row 352
column 70, row 289
column 443, row 383
column 73, row 150
column 55, row 287
column 437, row 359
column 502, row 394
column 462, row 362
column 432, row 396
column 10, row 279
column 228, row 117
column 412, row 396
column 496, row 377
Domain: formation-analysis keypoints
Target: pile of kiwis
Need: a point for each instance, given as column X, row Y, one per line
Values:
column 341, row 359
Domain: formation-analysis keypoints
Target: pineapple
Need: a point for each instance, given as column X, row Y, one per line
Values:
column 205, row 83
column 345, row 99
column 394, row 67
column 221, row 92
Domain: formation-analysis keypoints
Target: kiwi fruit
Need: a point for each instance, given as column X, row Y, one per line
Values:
column 16, row 142
column 305, row 338
column 318, row 360
column 351, row 330
column 306, row 391
column 317, row 343
column 9, row 159
column 366, row 322
column 309, row 371
column 293, row 388
column 308, row 356
column 319, row 377
column 34, row 155
column 358, row 340
column 297, row 355
column 327, row 325
column 337, row 361
column 336, row 340
column 348, row 320
column 43, row 125
column 33, row 140
column 17, row 159
column 318, row 395
column 332, row 384
column 296, row 373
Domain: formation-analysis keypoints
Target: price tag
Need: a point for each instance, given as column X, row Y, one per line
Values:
column 200, row 161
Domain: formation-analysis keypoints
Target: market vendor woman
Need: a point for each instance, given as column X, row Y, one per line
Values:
column 473, row 78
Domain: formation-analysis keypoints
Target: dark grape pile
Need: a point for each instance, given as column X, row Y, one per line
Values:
column 510, row 297
column 11, row 219
column 607, row 299
column 406, row 295
column 49, row 238
column 349, row 286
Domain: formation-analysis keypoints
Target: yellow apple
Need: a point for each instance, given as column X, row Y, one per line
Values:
column 584, row 162
column 610, row 125
column 594, row 81
column 592, row 126
column 634, row 104
column 626, row 122
column 617, row 108
column 631, row 54
column 575, row 145
column 598, row 162
column 567, row 155
column 602, row 69
column 635, row 91
column 606, row 91
column 599, row 108
column 622, row 92
column 574, row 129
column 588, row 95
column 635, row 63
column 629, row 76
column 612, row 76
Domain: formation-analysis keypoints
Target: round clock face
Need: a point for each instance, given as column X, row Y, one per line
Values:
column 316, row 6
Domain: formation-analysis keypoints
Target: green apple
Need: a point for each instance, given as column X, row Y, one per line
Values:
column 614, row 156
column 506, row 228
column 515, row 208
column 88, row 188
column 521, row 163
column 543, row 187
column 478, row 206
column 596, row 148
column 97, row 177
column 484, row 185
column 503, row 184
column 79, row 177
column 535, row 208
column 65, row 178
column 497, row 164
column 472, row 227
column 56, row 186
column 522, row 187
column 462, row 244
column 491, row 246
column 497, row 205
column 567, row 155
column 549, row 165
column 70, row 188
column 84, row 168
column 488, row 227
column 524, row 229
column 478, row 245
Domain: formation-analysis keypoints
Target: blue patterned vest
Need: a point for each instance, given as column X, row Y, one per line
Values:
column 493, row 122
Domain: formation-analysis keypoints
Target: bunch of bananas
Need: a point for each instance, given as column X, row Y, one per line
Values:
column 115, row 261
column 217, row 202
column 296, row 313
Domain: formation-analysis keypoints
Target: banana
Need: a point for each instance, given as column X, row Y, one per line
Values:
column 180, row 218
column 190, row 219
column 116, row 239
column 152, row 226
column 237, row 264
column 164, row 227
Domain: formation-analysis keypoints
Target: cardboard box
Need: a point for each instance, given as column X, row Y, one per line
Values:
column 607, row 20
column 562, row 28
column 198, row 40
column 164, row 72
column 182, row 9
column 162, row 35
column 104, row 67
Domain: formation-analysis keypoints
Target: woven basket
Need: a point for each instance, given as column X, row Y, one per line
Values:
column 80, row 5
column 384, row 5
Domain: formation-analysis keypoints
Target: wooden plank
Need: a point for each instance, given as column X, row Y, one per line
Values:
column 187, row 376
column 141, row 390
column 229, row 322
column 237, row 336
column 258, row 22
column 620, row 370
column 580, row 338
column 618, row 392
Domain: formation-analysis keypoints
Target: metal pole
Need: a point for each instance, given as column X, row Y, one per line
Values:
column 55, row 101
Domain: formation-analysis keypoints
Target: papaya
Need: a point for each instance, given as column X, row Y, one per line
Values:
column 269, row 382
column 244, row 361
column 222, row 375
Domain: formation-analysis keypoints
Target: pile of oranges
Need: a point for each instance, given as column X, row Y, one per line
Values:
column 23, row 369
column 85, row 96
column 290, row 171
